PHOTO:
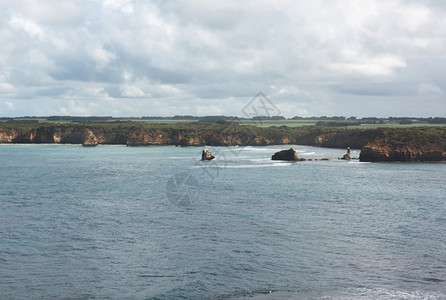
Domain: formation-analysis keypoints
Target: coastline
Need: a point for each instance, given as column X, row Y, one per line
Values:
column 383, row 144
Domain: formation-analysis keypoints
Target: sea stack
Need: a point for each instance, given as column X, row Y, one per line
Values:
column 90, row 139
column 288, row 155
column 207, row 155
column 347, row 155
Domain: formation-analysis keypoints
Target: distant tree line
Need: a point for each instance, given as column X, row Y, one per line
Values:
column 338, row 124
column 80, row 119
column 340, row 120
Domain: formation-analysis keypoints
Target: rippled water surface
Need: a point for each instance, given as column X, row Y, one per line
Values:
column 115, row 222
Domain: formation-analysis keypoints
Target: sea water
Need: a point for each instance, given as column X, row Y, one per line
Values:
column 116, row 222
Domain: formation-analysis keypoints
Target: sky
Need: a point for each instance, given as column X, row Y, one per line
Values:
column 363, row 58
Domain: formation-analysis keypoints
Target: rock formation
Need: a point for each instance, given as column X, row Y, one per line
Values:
column 8, row 136
column 288, row 155
column 347, row 155
column 90, row 139
column 383, row 144
column 378, row 150
column 207, row 155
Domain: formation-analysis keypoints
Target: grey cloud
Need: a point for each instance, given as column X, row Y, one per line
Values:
column 381, row 89
column 75, row 69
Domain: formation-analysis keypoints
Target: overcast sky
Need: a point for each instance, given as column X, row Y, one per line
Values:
column 163, row 58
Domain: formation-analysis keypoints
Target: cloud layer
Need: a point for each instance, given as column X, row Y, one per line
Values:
column 134, row 58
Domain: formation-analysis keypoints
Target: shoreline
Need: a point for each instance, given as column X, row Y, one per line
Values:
column 353, row 159
column 386, row 144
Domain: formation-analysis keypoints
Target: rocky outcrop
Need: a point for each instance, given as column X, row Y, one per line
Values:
column 339, row 138
column 207, row 155
column 8, row 136
column 378, row 150
column 90, row 139
column 410, row 144
column 388, row 144
column 346, row 155
column 141, row 137
column 192, row 135
column 288, row 155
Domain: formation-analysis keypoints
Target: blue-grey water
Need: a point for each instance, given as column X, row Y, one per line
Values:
column 116, row 222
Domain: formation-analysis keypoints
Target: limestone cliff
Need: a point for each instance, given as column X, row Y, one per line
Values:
column 140, row 137
column 90, row 139
column 8, row 136
column 423, row 144
column 390, row 144
column 378, row 150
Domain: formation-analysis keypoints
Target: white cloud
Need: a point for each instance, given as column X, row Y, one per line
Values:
column 132, row 91
column 429, row 89
column 10, row 105
column 101, row 56
column 377, row 65
column 123, row 5
column 31, row 28
column 52, row 12
column 74, row 107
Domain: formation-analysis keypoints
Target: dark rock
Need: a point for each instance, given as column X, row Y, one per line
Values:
column 288, row 155
column 207, row 155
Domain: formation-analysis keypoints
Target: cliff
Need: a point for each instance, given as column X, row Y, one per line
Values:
column 389, row 144
column 411, row 144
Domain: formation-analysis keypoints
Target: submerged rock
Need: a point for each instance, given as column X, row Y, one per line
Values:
column 207, row 155
column 288, row 155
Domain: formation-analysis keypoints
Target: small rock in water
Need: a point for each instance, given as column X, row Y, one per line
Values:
column 207, row 155
column 347, row 155
column 288, row 155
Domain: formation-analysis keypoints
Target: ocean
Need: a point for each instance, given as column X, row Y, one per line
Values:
column 116, row 222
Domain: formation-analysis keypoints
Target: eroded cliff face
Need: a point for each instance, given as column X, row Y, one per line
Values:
column 49, row 135
column 63, row 135
column 90, row 138
column 376, row 145
column 378, row 150
column 140, row 137
column 91, row 135
column 9, row 136
column 340, row 139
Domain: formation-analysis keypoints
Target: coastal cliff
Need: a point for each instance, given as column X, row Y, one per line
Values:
column 193, row 134
column 421, row 144
column 389, row 144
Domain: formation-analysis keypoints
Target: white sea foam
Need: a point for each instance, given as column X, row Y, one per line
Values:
column 306, row 153
column 350, row 294
column 258, row 166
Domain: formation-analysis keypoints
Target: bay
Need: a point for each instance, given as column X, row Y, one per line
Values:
column 116, row 222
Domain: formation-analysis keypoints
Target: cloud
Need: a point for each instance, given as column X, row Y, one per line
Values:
column 123, row 5
column 29, row 27
column 52, row 12
column 10, row 105
column 429, row 89
column 126, row 57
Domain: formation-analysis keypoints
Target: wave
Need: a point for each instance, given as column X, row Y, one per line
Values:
column 306, row 153
column 257, row 166
column 251, row 148
column 349, row 294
